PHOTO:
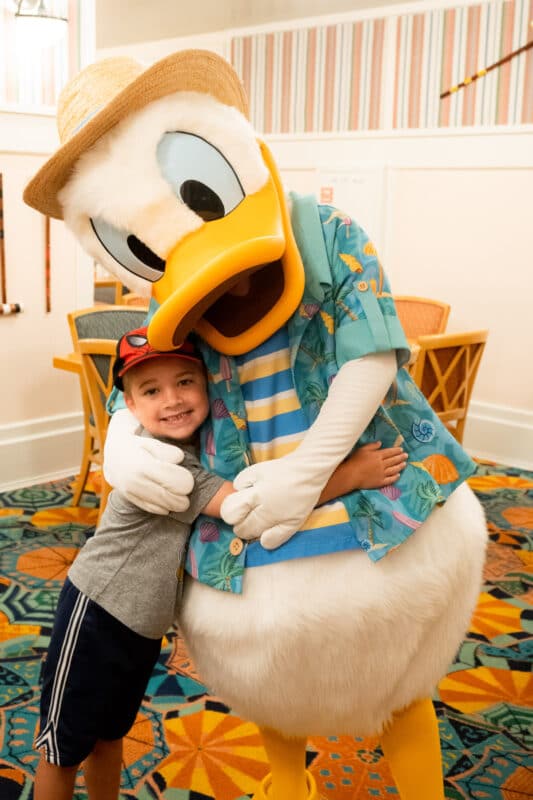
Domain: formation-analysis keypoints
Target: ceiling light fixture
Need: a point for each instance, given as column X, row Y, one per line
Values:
column 40, row 21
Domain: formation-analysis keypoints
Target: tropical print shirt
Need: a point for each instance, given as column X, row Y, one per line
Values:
column 346, row 312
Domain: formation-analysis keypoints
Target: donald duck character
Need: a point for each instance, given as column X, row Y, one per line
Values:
column 336, row 620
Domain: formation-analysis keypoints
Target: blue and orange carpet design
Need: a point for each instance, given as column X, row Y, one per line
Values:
column 186, row 745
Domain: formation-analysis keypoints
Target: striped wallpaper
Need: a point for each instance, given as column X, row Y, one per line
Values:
column 313, row 79
column 388, row 73
column 33, row 78
column 438, row 49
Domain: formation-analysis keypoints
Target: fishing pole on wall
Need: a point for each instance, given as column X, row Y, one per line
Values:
column 5, row 307
column 482, row 72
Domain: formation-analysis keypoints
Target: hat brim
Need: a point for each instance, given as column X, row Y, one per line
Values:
column 187, row 70
column 119, row 373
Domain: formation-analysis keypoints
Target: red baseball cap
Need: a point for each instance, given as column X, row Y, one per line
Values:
column 133, row 348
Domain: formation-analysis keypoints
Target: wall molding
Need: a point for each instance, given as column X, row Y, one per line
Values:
column 39, row 450
column 500, row 433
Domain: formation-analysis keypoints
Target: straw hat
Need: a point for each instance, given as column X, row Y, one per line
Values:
column 104, row 93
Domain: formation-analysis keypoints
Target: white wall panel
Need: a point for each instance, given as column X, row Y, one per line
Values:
column 454, row 218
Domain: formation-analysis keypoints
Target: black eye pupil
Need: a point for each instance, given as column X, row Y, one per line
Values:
column 144, row 254
column 202, row 200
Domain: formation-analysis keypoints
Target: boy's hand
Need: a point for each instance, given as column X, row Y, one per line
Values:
column 371, row 466
column 146, row 471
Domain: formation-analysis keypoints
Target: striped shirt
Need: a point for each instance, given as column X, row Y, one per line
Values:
column 277, row 423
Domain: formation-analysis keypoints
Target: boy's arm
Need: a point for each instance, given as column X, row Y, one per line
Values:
column 369, row 467
column 212, row 508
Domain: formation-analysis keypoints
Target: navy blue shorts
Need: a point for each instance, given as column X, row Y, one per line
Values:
column 94, row 679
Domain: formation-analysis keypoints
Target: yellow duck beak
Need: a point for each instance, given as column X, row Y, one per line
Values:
column 235, row 280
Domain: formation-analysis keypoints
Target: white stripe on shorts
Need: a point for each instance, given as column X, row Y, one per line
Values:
column 47, row 737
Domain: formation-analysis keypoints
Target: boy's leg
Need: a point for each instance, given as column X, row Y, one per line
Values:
column 102, row 770
column 53, row 782
column 60, row 757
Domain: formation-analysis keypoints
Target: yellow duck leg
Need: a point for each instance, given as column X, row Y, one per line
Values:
column 288, row 777
column 411, row 745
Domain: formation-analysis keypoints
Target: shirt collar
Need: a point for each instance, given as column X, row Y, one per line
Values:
column 307, row 229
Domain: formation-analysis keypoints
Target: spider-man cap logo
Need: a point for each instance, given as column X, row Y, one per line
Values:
column 133, row 348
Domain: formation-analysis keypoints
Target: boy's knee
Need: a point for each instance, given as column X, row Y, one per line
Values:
column 58, row 768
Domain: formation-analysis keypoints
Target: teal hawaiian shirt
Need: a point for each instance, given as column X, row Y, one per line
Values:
column 346, row 312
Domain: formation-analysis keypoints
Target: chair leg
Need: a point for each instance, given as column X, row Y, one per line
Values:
column 288, row 777
column 412, row 747
column 104, row 493
column 84, row 470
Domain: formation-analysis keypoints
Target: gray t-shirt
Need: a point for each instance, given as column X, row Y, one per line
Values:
column 132, row 565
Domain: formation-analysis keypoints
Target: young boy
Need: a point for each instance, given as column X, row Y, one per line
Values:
column 123, row 591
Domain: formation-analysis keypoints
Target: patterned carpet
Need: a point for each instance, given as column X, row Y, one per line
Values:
column 186, row 745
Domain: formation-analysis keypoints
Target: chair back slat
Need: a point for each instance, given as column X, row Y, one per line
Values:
column 445, row 372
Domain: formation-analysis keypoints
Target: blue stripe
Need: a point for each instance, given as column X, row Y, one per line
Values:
column 330, row 539
column 279, row 341
column 280, row 425
column 261, row 388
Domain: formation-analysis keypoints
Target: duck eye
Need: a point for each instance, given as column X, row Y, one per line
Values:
column 199, row 174
column 201, row 199
column 133, row 254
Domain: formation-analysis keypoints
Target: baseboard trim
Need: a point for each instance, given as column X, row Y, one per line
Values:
column 40, row 450
column 48, row 448
column 500, row 433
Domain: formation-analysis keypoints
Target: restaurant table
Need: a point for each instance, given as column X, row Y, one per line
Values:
column 71, row 362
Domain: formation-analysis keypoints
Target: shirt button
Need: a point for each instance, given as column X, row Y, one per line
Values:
column 362, row 286
column 235, row 547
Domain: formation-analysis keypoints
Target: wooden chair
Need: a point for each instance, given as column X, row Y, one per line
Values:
column 134, row 299
column 108, row 291
column 421, row 316
column 445, row 370
column 88, row 326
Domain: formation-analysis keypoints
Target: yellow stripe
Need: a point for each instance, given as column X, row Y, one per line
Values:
column 321, row 517
column 277, row 450
column 264, row 366
column 271, row 407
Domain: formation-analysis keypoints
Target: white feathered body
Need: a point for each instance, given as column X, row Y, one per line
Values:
column 335, row 644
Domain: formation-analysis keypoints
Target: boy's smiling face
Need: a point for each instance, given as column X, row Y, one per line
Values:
column 168, row 396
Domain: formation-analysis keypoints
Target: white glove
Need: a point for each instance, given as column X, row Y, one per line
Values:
column 144, row 470
column 275, row 497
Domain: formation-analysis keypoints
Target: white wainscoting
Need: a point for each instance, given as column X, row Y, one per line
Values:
column 40, row 450
column 500, row 434
column 448, row 213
